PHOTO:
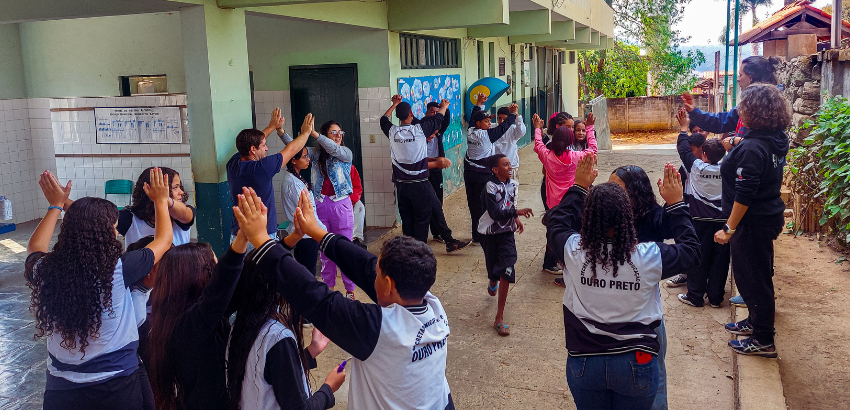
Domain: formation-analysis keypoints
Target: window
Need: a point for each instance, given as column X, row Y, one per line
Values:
column 428, row 52
column 143, row 84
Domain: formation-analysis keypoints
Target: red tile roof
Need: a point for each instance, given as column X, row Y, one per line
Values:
column 789, row 11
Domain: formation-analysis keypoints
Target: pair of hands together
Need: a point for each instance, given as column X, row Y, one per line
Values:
column 397, row 99
column 669, row 186
column 539, row 123
column 158, row 190
column 278, row 120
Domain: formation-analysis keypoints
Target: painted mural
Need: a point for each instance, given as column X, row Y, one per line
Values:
column 419, row 91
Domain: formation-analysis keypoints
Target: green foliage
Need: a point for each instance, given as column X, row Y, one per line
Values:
column 622, row 71
column 829, row 141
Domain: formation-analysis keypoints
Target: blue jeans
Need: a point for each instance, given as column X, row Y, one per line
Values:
column 612, row 382
column 661, row 396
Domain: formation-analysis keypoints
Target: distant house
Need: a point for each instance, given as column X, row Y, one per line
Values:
column 795, row 30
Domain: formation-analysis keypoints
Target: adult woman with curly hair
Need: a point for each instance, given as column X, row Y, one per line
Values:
column 752, row 177
column 137, row 220
column 612, row 302
column 81, row 300
column 268, row 366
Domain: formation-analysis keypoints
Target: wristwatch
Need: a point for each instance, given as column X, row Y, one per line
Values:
column 727, row 229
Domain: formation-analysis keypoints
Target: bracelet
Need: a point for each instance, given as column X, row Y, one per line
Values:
column 172, row 203
column 55, row 207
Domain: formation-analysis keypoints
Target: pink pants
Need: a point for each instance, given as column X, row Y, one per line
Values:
column 338, row 217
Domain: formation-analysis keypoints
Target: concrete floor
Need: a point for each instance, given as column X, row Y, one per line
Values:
column 485, row 371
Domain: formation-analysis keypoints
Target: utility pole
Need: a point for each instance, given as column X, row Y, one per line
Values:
column 735, row 77
column 726, row 73
column 835, row 29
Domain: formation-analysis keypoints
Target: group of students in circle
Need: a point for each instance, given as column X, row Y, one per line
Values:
column 166, row 324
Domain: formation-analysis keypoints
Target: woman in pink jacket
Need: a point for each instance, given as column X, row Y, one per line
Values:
column 558, row 160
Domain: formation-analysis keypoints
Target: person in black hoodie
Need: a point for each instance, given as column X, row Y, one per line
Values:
column 752, row 177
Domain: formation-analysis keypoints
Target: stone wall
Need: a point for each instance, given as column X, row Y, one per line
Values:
column 801, row 80
column 648, row 113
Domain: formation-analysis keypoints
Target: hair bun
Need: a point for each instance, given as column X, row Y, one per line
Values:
column 774, row 61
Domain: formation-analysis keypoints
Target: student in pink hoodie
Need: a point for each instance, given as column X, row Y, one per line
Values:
column 558, row 160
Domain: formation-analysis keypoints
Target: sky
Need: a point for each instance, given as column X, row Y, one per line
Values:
column 703, row 20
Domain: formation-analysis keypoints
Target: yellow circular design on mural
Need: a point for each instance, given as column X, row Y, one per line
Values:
column 480, row 89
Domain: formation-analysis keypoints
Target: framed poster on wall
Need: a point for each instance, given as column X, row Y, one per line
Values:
column 138, row 125
column 419, row 91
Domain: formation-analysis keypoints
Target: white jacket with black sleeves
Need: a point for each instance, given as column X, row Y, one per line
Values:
column 399, row 352
column 609, row 315
column 480, row 143
column 409, row 147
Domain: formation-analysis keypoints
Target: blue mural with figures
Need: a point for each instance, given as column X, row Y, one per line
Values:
column 419, row 91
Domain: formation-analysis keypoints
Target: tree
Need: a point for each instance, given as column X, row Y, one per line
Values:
column 751, row 5
column 642, row 25
column 845, row 10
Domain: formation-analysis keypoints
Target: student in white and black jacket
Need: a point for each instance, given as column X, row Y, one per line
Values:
column 137, row 220
column 409, row 152
column 398, row 344
column 612, row 301
column 480, row 139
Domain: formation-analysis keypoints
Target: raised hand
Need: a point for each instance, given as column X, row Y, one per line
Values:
column 688, row 101
column 670, row 187
column 590, row 120
column 252, row 217
column 585, row 173
column 305, row 217
column 537, row 121
column 307, row 126
column 158, row 189
column 481, row 98
column 513, row 108
column 444, row 103
column 277, row 120
column 682, row 117
column 54, row 192
column 397, row 99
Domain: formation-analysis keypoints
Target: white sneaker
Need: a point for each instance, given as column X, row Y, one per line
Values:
column 676, row 281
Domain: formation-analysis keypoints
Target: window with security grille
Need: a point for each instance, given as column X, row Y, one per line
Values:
column 428, row 52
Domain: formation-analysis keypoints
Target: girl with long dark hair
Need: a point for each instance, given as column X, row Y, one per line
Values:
column 189, row 325
column 649, row 217
column 333, row 189
column 267, row 365
column 81, row 298
column 612, row 301
column 306, row 250
column 137, row 220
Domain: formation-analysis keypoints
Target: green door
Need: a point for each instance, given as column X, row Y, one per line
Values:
column 330, row 93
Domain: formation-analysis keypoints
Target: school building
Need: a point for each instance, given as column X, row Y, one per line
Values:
column 221, row 66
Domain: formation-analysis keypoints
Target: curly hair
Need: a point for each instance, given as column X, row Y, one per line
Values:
column 606, row 208
column 257, row 302
column 182, row 275
column 638, row 188
column 763, row 107
column 142, row 206
column 72, row 285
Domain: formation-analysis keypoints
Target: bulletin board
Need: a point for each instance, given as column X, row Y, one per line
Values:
column 419, row 91
column 138, row 125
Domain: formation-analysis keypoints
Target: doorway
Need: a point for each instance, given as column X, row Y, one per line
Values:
column 329, row 92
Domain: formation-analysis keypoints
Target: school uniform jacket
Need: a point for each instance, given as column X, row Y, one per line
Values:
column 435, row 146
column 113, row 351
column 399, row 352
column 610, row 315
column 507, row 145
column 480, row 144
column 499, row 199
column 409, row 147
column 134, row 228
column 704, row 184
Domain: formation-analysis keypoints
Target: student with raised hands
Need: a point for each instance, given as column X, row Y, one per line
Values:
column 137, row 220
column 398, row 343
column 81, row 298
column 612, row 301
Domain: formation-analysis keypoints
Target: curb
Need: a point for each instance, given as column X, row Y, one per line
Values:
column 758, row 385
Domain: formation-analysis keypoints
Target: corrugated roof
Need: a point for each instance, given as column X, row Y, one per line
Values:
column 789, row 11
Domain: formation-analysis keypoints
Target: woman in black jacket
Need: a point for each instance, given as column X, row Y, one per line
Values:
column 752, row 177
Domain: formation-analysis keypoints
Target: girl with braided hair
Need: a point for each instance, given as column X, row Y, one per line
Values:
column 612, row 302
column 81, row 297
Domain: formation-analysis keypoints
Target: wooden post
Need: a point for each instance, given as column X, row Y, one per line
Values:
column 835, row 28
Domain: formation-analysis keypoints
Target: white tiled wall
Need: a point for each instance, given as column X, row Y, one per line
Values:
column 377, row 167
column 19, row 170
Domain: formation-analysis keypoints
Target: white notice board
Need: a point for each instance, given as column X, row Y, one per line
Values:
column 138, row 125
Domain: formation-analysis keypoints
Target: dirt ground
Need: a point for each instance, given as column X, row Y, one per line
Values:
column 812, row 323
column 645, row 137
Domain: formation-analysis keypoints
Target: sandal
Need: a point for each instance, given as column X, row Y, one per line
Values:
column 492, row 290
column 503, row 329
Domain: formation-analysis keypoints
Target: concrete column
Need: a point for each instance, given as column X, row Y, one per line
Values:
column 215, row 49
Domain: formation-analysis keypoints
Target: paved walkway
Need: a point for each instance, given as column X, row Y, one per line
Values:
column 485, row 371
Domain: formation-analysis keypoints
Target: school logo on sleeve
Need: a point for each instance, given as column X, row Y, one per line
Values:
column 739, row 171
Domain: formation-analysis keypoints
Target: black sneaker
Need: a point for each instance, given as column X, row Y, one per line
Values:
column 456, row 245
column 438, row 238
column 676, row 281
column 750, row 347
column 359, row 243
column 688, row 301
column 560, row 282
column 553, row 270
column 740, row 328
